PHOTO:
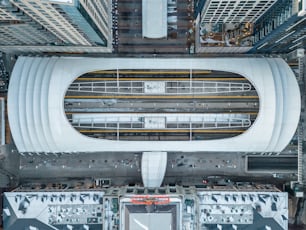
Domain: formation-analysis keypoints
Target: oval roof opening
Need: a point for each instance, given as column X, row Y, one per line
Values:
column 161, row 105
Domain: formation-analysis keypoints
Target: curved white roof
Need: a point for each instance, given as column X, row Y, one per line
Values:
column 39, row 124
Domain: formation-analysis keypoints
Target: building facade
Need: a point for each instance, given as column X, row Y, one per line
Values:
column 131, row 208
column 282, row 29
column 70, row 23
column 227, row 26
column 229, row 11
column 251, row 26
column 17, row 28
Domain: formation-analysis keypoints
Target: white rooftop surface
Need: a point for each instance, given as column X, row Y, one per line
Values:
column 154, row 18
column 44, row 206
column 38, row 121
column 237, row 207
column 152, row 221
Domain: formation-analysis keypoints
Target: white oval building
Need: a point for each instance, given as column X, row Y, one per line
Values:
column 38, row 122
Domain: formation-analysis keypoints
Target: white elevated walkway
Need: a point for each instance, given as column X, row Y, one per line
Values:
column 154, row 18
column 153, row 168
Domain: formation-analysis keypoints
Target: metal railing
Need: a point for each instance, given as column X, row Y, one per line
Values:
column 159, row 87
column 300, row 155
column 159, row 122
column 301, row 68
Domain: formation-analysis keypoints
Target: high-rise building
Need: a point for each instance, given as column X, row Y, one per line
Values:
column 230, row 11
column 227, row 26
column 75, row 22
column 17, row 28
column 282, row 29
column 251, row 26
column 56, row 26
column 5, row 14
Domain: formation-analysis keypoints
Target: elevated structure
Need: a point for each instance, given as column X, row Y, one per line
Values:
column 153, row 168
column 39, row 124
column 154, row 18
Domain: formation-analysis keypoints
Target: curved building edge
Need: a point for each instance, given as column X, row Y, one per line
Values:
column 38, row 122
